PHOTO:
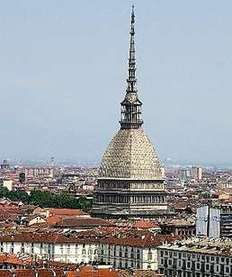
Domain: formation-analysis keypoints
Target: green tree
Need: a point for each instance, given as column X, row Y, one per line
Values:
column 3, row 192
column 47, row 199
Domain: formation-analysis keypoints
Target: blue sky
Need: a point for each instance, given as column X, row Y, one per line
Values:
column 63, row 66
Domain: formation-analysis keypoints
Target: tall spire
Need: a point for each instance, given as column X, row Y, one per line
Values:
column 131, row 105
column 132, row 60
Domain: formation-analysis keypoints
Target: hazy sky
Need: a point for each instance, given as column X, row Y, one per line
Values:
column 63, row 66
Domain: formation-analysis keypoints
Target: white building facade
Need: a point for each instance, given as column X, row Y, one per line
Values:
column 196, row 258
column 119, row 253
column 59, row 252
column 123, row 256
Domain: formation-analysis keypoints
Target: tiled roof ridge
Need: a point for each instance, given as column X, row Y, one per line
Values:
column 132, row 237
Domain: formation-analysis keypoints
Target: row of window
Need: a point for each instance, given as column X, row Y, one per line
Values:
column 188, row 264
column 195, row 256
column 109, row 186
column 122, row 264
column 183, row 273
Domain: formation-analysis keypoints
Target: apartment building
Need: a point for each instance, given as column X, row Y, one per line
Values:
column 196, row 257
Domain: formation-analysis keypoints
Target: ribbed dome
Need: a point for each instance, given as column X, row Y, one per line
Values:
column 130, row 155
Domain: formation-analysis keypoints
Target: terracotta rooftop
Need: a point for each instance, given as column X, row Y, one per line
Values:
column 53, row 219
column 5, row 273
column 24, row 273
column 145, row 224
column 66, row 212
column 86, row 271
column 130, row 237
column 97, row 272
column 32, row 273
column 14, row 259
column 135, row 238
column 82, row 222
column 50, row 237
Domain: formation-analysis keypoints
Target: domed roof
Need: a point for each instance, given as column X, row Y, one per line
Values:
column 130, row 155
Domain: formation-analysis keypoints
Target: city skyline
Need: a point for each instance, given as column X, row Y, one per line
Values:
column 62, row 77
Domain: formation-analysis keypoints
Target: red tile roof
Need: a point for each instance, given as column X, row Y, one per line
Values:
column 134, row 238
column 66, row 212
column 53, row 219
column 5, row 273
column 24, row 273
column 45, row 272
column 145, row 224
column 144, row 240
column 86, row 271
column 90, row 271
column 31, row 273
column 82, row 222
column 14, row 259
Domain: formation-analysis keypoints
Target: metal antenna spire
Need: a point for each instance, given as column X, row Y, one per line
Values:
column 132, row 61
column 131, row 105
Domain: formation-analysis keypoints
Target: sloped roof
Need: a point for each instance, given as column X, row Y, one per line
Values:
column 130, row 154
column 145, row 224
column 70, row 222
column 67, row 212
